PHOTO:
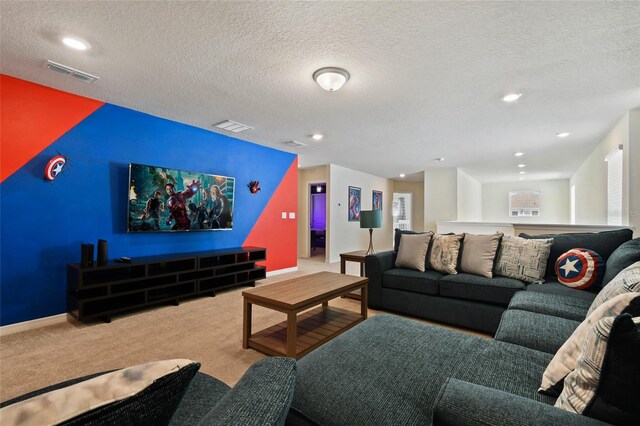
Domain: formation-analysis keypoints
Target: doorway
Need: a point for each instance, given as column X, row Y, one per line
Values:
column 401, row 211
column 318, row 220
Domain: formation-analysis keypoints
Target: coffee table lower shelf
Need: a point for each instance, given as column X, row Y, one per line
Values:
column 314, row 328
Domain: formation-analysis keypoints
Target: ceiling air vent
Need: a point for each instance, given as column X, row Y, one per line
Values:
column 71, row 72
column 232, row 126
column 296, row 144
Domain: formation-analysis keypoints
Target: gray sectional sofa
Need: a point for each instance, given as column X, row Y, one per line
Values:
column 391, row 370
column 467, row 300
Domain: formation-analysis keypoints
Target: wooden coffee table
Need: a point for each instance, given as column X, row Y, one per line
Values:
column 300, row 334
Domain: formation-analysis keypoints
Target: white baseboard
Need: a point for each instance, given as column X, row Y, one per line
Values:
column 30, row 325
column 282, row 271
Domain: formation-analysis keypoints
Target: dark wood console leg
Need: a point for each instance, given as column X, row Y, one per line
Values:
column 176, row 302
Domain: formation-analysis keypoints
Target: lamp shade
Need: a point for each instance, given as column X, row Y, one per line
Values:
column 370, row 218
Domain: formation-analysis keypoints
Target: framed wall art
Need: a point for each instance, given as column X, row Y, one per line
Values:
column 376, row 198
column 354, row 204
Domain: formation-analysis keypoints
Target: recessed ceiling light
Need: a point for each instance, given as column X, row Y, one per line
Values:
column 317, row 136
column 512, row 97
column 563, row 134
column 76, row 43
column 439, row 159
column 522, row 165
column 402, row 175
column 521, row 178
column 519, row 154
column 522, row 172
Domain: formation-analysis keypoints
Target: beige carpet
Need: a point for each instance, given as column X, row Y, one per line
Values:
column 207, row 329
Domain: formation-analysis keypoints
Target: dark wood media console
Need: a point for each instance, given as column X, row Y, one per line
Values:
column 102, row 291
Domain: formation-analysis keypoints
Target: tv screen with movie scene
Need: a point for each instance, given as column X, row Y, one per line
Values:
column 166, row 200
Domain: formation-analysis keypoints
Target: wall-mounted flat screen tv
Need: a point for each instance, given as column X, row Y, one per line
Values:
column 165, row 200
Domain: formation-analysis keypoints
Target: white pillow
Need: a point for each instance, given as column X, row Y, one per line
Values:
column 565, row 359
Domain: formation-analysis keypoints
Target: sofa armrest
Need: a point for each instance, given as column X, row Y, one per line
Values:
column 375, row 265
column 462, row 403
column 261, row 397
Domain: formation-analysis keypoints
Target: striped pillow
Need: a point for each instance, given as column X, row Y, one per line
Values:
column 627, row 281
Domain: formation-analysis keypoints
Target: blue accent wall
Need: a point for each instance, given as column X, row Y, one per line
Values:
column 43, row 223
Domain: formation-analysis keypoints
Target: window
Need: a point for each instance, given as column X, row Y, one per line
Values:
column 524, row 203
column 614, row 186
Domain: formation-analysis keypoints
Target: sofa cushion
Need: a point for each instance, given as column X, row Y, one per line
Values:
column 522, row 259
column 410, row 280
column 443, row 253
column 394, row 365
column 193, row 406
column 479, row 254
column 551, row 304
column 604, row 243
column 624, row 256
column 506, row 367
column 535, row 331
column 143, row 394
column 554, row 287
column 605, row 382
column 580, row 268
column 412, row 252
column 473, row 287
column 565, row 359
column 627, row 281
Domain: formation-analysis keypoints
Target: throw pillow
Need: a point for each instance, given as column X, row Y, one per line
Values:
column 625, row 255
column 523, row 259
column 627, row 281
column 144, row 394
column 399, row 233
column 605, row 383
column 479, row 253
column 412, row 251
column 565, row 359
column 580, row 268
column 443, row 255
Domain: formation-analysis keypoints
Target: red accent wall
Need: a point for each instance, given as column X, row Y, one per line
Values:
column 279, row 236
column 38, row 116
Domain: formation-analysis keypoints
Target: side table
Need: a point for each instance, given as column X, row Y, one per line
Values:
column 353, row 256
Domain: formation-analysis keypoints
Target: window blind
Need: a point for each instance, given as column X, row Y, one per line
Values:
column 614, row 186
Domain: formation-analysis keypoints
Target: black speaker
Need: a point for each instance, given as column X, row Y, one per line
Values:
column 103, row 250
column 86, row 255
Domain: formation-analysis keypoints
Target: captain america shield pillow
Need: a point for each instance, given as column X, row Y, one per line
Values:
column 580, row 268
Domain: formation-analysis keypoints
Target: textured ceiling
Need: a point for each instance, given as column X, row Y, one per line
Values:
column 427, row 78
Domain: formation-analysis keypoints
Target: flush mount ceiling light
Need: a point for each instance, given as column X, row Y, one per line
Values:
column 75, row 43
column 317, row 136
column 522, row 165
column 519, row 154
column 563, row 134
column 512, row 97
column 331, row 78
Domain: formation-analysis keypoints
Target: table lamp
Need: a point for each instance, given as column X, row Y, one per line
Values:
column 370, row 219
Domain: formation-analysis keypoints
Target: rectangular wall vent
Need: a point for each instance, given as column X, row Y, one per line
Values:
column 71, row 72
column 296, row 144
column 232, row 126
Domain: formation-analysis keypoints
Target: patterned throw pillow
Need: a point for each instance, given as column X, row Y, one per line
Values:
column 604, row 384
column 580, row 268
column 412, row 251
column 144, row 394
column 443, row 255
column 523, row 259
column 627, row 281
column 564, row 361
